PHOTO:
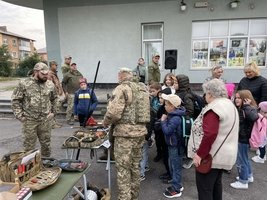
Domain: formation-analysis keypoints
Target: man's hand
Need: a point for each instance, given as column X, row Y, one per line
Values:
column 50, row 116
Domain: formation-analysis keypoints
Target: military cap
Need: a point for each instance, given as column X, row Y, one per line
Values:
column 41, row 67
column 67, row 57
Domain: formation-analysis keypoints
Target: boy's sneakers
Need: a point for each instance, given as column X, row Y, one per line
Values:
column 171, row 193
column 188, row 164
column 239, row 185
column 147, row 169
column 142, row 177
column 258, row 159
column 250, row 179
column 170, row 188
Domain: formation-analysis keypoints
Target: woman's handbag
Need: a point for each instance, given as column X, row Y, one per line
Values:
column 205, row 165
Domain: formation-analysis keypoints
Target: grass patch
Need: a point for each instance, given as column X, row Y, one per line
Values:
column 8, row 79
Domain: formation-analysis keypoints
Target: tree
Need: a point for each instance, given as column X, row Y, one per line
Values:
column 5, row 63
column 26, row 65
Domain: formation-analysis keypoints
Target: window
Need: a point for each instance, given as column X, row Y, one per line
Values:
column 5, row 41
column 14, row 54
column 229, row 43
column 24, row 43
column 152, row 41
column 14, row 43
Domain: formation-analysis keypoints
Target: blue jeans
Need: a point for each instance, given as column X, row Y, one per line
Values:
column 175, row 164
column 144, row 161
column 243, row 163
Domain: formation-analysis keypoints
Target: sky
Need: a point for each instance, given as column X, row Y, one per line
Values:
column 23, row 21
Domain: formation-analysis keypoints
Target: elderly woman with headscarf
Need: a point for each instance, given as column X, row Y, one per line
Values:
column 254, row 82
column 214, row 132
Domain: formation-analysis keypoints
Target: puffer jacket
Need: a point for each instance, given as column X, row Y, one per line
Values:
column 172, row 128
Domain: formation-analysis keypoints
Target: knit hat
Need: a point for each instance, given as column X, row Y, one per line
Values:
column 173, row 99
column 83, row 80
column 263, row 106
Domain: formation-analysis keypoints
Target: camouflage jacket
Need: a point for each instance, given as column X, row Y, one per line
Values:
column 153, row 72
column 34, row 100
column 54, row 78
column 65, row 69
column 118, row 104
column 70, row 82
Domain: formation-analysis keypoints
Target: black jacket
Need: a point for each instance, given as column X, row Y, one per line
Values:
column 247, row 116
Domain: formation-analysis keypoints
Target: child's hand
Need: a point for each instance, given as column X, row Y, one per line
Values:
column 247, row 101
column 163, row 117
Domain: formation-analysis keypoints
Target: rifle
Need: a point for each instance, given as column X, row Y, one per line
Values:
column 89, row 105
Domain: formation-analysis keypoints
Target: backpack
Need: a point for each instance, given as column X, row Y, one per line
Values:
column 186, row 128
column 141, row 101
column 199, row 104
column 258, row 133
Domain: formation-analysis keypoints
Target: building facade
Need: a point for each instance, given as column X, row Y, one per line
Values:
column 118, row 32
column 18, row 46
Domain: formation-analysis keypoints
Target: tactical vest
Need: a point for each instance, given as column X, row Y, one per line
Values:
column 139, row 110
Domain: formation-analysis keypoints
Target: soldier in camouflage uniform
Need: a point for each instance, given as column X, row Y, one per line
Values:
column 71, row 84
column 129, row 137
column 33, row 103
column 153, row 70
column 66, row 66
column 52, row 75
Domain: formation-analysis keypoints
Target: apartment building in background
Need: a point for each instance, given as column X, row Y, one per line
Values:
column 19, row 46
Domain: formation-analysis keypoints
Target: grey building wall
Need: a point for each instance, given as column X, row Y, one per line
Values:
column 111, row 33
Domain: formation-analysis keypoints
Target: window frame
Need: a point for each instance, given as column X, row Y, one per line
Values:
column 248, row 37
column 148, row 58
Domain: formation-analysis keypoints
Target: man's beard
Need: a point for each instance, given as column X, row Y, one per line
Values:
column 41, row 79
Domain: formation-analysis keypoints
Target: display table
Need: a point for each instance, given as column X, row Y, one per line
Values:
column 71, row 154
column 65, row 183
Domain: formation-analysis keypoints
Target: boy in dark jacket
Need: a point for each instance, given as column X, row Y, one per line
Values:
column 84, row 103
column 172, row 129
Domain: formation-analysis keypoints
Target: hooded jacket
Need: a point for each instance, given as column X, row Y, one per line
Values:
column 184, row 92
column 172, row 128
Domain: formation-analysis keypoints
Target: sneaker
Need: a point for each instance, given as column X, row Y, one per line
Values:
column 189, row 164
column 142, row 177
column 147, row 169
column 239, row 185
column 250, row 179
column 258, row 159
column 170, row 188
column 172, row 193
column 164, row 176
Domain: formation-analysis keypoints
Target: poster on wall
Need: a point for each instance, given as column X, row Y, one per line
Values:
column 237, row 52
column 200, row 53
column 218, row 52
column 257, row 51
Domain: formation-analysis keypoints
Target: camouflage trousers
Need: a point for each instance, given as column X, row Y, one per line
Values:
column 69, row 111
column 127, row 153
column 58, row 106
column 37, row 129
